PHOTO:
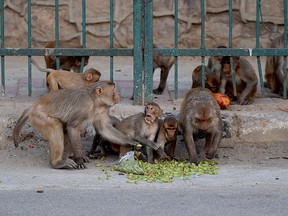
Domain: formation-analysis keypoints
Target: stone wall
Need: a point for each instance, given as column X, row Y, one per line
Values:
column 98, row 29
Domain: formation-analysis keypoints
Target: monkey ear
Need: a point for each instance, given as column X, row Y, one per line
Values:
column 89, row 77
column 99, row 91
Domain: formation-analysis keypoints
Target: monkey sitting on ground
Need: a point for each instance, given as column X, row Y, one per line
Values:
column 164, row 63
column 245, row 78
column 212, row 81
column 69, row 63
column 141, row 127
column 67, row 80
column 200, row 112
column 61, row 116
column 167, row 135
column 274, row 73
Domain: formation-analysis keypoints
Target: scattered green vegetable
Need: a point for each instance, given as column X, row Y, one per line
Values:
column 164, row 171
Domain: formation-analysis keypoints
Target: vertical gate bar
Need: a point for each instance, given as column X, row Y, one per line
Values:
column 2, row 46
column 57, row 31
column 29, row 46
column 203, row 40
column 176, row 47
column 83, row 32
column 285, row 46
column 258, row 8
column 137, row 51
column 230, row 46
column 111, row 38
column 148, row 50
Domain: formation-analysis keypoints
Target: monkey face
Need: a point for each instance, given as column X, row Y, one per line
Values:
column 152, row 112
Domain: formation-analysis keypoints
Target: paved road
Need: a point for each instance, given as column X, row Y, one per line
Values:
column 236, row 190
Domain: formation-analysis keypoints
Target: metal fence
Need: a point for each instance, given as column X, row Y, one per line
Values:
column 143, row 54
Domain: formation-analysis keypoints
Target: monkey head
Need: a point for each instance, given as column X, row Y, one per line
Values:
column 170, row 126
column 225, row 63
column 204, row 115
column 152, row 112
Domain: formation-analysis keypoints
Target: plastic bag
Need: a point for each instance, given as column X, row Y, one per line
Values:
column 127, row 164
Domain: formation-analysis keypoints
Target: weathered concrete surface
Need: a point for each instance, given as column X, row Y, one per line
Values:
column 98, row 24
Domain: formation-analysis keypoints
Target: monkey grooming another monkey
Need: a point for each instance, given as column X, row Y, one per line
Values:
column 200, row 112
column 67, row 80
column 141, row 127
column 245, row 78
column 61, row 116
column 274, row 73
column 167, row 135
column 212, row 81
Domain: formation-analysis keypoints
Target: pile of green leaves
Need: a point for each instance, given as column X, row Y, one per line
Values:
column 164, row 171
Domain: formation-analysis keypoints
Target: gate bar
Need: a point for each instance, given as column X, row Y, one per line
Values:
column 29, row 46
column 203, row 41
column 57, row 32
column 83, row 32
column 258, row 10
column 2, row 46
column 176, row 48
column 148, row 51
column 285, row 47
column 111, row 38
column 137, row 51
column 230, row 46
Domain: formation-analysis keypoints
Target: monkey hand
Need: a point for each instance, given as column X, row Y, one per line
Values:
column 193, row 160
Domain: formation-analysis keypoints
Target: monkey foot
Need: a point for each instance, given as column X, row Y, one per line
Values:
column 158, row 91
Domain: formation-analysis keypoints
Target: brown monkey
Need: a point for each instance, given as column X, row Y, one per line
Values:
column 214, row 63
column 167, row 135
column 164, row 63
column 245, row 77
column 141, row 127
column 200, row 112
column 212, row 81
column 104, row 145
column 61, row 116
column 67, row 80
column 274, row 73
column 70, row 63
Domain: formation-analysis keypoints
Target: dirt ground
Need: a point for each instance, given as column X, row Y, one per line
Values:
column 260, row 148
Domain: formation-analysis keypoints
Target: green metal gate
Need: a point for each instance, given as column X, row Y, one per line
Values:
column 142, row 50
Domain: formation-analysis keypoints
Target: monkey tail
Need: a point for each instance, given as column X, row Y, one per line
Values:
column 46, row 70
column 19, row 125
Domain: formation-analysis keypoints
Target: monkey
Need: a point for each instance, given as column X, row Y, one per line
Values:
column 70, row 63
column 212, row 81
column 167, row 135
column 214, row 63
column 164, row 63
column 274, row 73
column 67, row 80
column 61, row 116
column 245, row 78
column 200, row 112
column 141, row 127
column 104, row 145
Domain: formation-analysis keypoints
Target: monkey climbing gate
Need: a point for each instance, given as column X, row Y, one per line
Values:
column 143, row 51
